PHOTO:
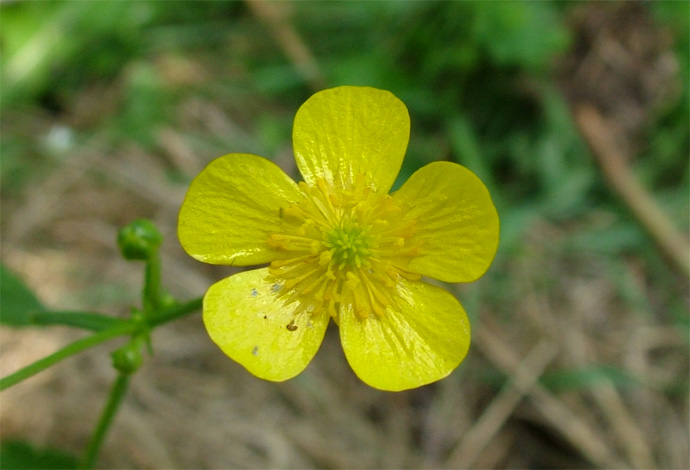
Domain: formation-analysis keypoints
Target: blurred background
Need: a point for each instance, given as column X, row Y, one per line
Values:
column 575, row 115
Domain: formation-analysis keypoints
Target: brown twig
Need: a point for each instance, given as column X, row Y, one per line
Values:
column 578, row 347
column 598, row 134
column 500, row 409
column 274, row 17
column 575, row 429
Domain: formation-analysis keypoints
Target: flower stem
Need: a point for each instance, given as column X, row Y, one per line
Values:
column 117, row 393
column 67, row 351
column 158, row 318
column 172, row 313
column 152, row 282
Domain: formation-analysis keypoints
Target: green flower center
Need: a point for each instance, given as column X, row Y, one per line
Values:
column 342, row 248
column 349, row 246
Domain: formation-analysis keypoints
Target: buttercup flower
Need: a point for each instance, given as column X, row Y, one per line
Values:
column 339, row 246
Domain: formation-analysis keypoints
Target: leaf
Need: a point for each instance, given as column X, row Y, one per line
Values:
column 527, row 34
column 86, row 320
column 22, row 455
column 586, row 377
column 19, row 306
column 16, row 300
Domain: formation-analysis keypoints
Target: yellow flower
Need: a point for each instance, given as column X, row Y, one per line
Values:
column 340, row 246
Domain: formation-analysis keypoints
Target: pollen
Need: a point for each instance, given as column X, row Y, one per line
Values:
column 342, row 247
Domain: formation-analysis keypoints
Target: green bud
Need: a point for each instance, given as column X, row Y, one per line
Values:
column 168, row 301
column 137, row 315
column 139, row 240
column 128, row 358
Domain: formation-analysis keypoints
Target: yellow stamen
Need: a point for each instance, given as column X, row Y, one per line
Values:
column 342, row 246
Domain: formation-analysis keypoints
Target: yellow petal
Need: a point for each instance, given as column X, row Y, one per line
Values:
column 345, row 131
column 419, row 342
column 456, row 222
column 244, row 317
column 232, row 207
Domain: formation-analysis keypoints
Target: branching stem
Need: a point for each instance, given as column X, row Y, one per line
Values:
column 158, row 318
column 69, row 350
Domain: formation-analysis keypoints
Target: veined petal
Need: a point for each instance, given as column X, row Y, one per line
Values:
column 345, row 131
column 231, row 207
column 456, row 222
column 419, row 342
column 245, row 318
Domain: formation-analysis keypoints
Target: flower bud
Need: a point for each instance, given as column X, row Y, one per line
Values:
column 139, row 240
column 128, row 358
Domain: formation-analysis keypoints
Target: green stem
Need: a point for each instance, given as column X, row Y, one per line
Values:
column 172, row 313
column 117, row 393
column 152, row 283
column 158, row 318
column 67, row 351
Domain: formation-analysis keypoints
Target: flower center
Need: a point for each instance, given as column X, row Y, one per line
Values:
column 349, row 246
column 342, row 247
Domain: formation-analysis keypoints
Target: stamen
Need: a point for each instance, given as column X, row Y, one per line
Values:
column 342, row 246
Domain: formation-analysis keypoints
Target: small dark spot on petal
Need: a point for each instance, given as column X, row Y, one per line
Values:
column 291, row 326
column 255, row 350
column 255, row 292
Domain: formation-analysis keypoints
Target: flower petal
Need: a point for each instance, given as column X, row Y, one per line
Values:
column 246, row 319
column 232, row 207
column 456, row 222
column 345, row 131
column 419, row 342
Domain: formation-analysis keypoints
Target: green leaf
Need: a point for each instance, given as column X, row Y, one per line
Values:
column 520, row 33
column 20, row 307
column 86, row 320
column 586, row 377
column 467, row 150
column 22, row 455
column 16, row 300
